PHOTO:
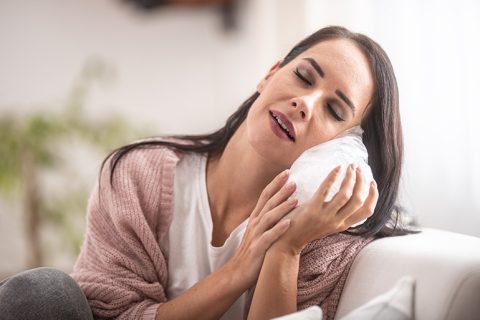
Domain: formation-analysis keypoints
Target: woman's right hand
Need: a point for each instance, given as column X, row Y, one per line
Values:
column 263, row 228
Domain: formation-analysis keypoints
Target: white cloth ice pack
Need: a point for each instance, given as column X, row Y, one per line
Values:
column 314, row 165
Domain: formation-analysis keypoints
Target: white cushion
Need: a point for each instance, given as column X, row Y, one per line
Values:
column 311, row 313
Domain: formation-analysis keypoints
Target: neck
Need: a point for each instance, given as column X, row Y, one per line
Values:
column 236, row 178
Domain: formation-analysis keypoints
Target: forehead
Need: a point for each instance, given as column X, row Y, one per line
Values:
column 346, row 67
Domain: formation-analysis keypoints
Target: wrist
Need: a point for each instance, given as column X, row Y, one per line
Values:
column 284, row 248
column 235, row 275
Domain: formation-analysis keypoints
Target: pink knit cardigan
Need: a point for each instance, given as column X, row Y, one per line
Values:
column 122, row 269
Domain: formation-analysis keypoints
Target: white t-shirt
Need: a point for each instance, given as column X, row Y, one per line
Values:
column 191, row 256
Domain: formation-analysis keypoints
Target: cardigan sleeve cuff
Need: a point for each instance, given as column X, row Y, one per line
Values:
column 151, row 312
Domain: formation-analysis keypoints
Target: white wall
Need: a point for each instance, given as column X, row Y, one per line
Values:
column 169, row 64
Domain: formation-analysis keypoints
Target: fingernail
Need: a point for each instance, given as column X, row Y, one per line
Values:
column 286, row 223
column 291, row 185
column 285, row 173
column 292, row 201
column 352, row 166
column 373, row 183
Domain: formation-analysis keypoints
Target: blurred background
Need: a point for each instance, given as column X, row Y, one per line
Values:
column 78, row 78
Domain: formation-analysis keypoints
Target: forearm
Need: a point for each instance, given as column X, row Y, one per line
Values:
column 210, row 298
column 276, row 291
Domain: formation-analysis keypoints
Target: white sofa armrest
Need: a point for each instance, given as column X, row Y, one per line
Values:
column 442, row 263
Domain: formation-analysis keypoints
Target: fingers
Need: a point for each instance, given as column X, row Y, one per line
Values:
column 368, row 207
column 272, row 235
column 279, row 197
column 346, row 189
column 322, row 191
column 271, row 189
column 356, row 200
column 269, row 219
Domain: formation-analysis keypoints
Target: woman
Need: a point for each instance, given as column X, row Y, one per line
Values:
column 193, row 227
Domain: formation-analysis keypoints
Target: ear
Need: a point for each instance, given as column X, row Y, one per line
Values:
column 267, row 77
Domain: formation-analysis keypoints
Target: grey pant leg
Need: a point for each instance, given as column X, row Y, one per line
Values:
column 42, row 293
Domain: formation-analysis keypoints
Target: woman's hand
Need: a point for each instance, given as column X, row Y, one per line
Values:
column 316, row 218
column 263, row 228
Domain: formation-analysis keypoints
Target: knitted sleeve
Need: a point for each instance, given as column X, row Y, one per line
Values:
column 324, row 267
column 121, row 268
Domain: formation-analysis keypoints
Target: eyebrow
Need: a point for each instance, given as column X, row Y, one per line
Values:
column 339, row 93
column 315, row 66
column 346, row 100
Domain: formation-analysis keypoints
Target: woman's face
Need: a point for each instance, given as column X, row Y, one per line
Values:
column 318, row 95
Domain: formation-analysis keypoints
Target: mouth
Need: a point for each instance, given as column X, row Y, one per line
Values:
column 284, row 124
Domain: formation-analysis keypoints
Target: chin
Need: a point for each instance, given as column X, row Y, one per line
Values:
column 270, row 151
column 265, row 144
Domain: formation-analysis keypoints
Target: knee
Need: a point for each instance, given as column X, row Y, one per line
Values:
column 43, row 293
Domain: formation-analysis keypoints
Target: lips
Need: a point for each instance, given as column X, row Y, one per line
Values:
column 284, row 124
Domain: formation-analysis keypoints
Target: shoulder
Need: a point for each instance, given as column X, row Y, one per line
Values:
column 146, row 161
column 143, row 174
column 148, row 155
column 136, row 188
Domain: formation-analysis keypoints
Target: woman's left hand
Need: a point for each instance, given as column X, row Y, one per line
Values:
column 317, row 218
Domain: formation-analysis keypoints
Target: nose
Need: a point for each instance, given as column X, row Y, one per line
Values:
column 305, row 105
column 295, row 105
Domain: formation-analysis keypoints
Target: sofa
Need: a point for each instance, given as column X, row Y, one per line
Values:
column 444, row 266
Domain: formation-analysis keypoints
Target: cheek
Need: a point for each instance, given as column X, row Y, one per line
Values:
column 255, row 130
column 318, row 134
column 279, row 88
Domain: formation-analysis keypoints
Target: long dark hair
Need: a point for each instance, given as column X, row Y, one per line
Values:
column 382, row 135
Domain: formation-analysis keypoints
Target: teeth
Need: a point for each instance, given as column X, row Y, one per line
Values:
column 281, row 124
column 284, row 127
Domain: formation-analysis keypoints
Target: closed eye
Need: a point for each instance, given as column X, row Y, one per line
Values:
column 301, row 77
column 334, row 114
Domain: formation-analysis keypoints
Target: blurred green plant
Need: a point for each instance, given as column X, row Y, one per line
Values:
column 32, row 144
